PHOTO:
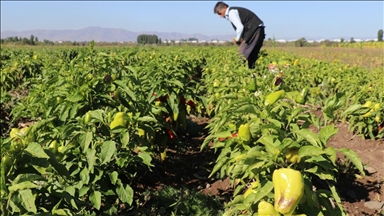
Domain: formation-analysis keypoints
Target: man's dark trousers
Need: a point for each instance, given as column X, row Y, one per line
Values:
column 251, row 49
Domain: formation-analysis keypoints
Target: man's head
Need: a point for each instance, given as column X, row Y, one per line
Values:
column 220, row 9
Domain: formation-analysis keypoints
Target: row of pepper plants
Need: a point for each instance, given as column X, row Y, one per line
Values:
column 271, row 144
column 97, row 116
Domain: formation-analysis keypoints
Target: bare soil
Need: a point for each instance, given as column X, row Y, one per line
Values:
column 191, row 167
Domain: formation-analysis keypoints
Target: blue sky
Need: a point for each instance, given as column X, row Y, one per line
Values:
column 284, row 19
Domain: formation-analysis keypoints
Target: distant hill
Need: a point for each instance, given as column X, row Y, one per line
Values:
column 100, row 34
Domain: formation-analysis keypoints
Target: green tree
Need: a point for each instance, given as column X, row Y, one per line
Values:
column 301, row 42
column 352, row 40
column 380, row 35
column 147, row 39
column 32, row 40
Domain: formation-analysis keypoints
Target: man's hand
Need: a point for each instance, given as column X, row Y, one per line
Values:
column 237, row 42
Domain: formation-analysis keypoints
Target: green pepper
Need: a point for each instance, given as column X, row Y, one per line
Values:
column 266, row 209
column 244, row 133
column 53, row 146
column 273, row 97
column 253, row 85
column 6, row 163
column 301, row 98
column 288, row 188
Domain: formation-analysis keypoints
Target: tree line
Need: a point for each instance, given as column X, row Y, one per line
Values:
column 32, row 40
column 154, row 39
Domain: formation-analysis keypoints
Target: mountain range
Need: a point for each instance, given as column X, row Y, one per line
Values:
column 100, row 34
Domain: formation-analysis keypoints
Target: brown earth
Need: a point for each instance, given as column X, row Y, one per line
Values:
column 357, row 191
column 191, row 168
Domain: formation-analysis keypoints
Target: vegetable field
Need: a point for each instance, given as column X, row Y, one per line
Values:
column 157, row 130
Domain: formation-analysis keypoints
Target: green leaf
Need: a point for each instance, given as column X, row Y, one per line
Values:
column 74, row 110
column 177, row 83
column 95, row 199
column 107, row 150
column 248, row 108
column 263, row 192
column 91, row 159
column 124, row 139
column 114, row 176
column 331, row 152
column 354, row 158
column 84, row 175
column 310, row 151
column 223, row 134
column 61, row 212
column 335, row 195
column 351, row 109
column 36, row 150
column 326, row 133
column 124, row 87
column 83, row 190
column 60, row 168
column 64, row 114
column 147, row 119
column 22, row 186
column 97, row 114
column 71, row 190
column 28, row 200
column 27, row 177
column 270, row 140
column 324, row 175
column 125, row 194
column 75, row 98
column 85, row 140
column 309, row 136
column 218, row 165
column 146, row 158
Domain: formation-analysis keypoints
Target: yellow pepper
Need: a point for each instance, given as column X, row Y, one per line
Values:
column 288, row 188
column 376, row 107
column 120, row 119
column 266, row 209
column 244, row 133
column 367, row 104
column 292, row 155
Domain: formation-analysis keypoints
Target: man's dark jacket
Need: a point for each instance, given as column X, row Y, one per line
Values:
column 250, row 22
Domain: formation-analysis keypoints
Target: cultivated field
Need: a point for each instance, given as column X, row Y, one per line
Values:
column 191, row 131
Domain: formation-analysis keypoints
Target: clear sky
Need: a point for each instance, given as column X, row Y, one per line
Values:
column 284, row 19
